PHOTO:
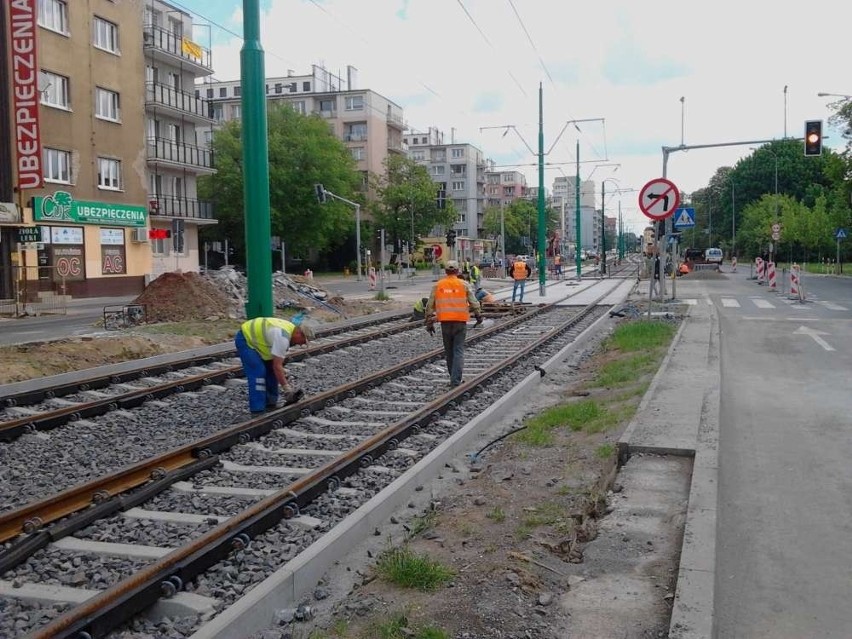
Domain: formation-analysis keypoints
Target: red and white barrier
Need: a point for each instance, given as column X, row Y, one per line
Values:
column 770, row 268
column 794, row 282
column 758, row 263
column 372, row 278
column 733, row 265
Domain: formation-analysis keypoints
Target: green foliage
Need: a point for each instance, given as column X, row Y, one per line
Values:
column 624, row 371
column 405, row 568
column 520, row 219
column 640, row 335
column 605, row 451
column 406, row 198
column 396, row 626
column 302, row 152
column 497, row 514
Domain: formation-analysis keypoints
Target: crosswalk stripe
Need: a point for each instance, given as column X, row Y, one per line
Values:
column 834, row 307
column 729, row 302
column 763, row 303
column 691, row 302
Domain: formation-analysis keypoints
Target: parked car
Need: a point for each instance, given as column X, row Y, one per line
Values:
column 713, row 255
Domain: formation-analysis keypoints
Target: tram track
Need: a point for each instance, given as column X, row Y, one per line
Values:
column 382, row 423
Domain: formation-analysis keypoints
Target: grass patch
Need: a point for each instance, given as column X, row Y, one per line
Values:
column 405, row 568
column 497, row 515
column 641, row 335
column 212, row 332
column 397, row 627
column 605, row 451
column 423, row 523
column 625, row 371
column 546, row 514
column 586, row 415
column 382, row 297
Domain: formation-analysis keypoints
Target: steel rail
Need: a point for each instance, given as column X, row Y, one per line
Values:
column 12, row 429
column 100, row 614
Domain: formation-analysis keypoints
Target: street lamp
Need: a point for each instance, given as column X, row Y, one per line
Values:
column 775, row 157
column 842, row 96
column 603, row 220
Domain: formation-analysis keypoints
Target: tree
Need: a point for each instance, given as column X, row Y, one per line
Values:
column 302, row 152
column 406, row 200
column 521, row 221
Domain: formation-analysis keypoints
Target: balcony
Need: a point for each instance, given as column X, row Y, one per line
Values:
column 354, row 137
column 172, row 206
column 180, row 155
column 324, row 113
column 179, row 103
column 397, row 146
column 168, row 47
column 396, row 121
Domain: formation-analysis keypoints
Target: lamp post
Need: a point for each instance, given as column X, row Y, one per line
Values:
column 774, row 157
column 603, row 222
column 842, row 96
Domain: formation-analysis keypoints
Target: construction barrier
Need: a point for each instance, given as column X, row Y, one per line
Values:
column 309, row 274
column 372, row 278
column 733, row 265
column 770, row 268
column 794, row 282
column 758, row 264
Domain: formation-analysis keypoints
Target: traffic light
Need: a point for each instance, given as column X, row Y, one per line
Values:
column 320, row 191
column 451, row 238
column 813, row 137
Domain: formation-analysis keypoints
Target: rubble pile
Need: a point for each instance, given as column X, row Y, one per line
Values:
column 178, row 297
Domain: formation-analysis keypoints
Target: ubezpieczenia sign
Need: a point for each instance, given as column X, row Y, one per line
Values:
column 61, row 207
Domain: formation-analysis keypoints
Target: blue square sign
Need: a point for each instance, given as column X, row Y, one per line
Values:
column 684, row 218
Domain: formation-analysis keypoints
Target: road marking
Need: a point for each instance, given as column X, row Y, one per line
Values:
column 729, row 302
column 763, row 303
column 691, row 302
column 815, row 334
column 833, row 307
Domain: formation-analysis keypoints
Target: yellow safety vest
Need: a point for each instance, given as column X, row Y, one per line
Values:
column 254, row 331
column 451, row 303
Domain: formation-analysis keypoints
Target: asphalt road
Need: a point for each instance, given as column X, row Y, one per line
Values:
column 784, row 553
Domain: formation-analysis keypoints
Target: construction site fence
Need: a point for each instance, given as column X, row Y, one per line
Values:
column 38, row 290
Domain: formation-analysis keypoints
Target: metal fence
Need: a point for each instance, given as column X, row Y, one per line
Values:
column 38, row 290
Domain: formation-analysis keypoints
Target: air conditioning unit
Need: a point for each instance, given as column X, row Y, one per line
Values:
column 140, row 235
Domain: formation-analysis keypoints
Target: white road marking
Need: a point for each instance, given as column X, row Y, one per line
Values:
column 815, row 334
column 763, row 303
column 833, row 307
column 729, row 302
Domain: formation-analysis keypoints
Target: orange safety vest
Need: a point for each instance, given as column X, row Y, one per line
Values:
column 451, row 303
column 519, row 270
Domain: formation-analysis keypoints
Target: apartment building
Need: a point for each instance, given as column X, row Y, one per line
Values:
column 369, row 124
column 177, row 125
column 503, row 187
column 565, row 202
column 458, row 171
column 88, row 210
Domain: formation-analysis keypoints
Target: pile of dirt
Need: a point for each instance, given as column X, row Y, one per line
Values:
column 179, row 297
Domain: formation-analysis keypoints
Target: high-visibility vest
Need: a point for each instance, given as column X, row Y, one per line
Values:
column 475, row 272
column 420, row 305
column 557, row 260
column 254, row 331
column 451, row 303
column 519, row 270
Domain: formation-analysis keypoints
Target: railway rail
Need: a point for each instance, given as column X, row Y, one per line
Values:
column 371, row 419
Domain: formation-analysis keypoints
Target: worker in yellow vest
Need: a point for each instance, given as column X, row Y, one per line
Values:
column 262, row 344
column 450, row 303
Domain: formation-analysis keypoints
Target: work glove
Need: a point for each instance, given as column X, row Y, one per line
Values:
column 478, row 321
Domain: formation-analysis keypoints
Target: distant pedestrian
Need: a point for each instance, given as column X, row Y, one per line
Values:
column 557, row 266
column 262, row 345
column 520, row 272
column 450, row 303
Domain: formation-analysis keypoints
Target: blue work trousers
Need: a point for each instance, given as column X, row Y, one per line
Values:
column 519, row 284
column 262, row 383
column 453, row 334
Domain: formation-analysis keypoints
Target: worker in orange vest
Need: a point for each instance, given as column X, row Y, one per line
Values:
column 450, row 303
column 520, row 272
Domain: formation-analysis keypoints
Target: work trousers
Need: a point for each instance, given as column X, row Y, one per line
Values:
column 519, row 284
column 262, row 383
column 453, row 334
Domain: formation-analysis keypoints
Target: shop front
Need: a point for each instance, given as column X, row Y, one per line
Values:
column 86, row 249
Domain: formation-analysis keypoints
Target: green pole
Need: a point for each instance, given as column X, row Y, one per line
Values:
column 577, row 255
column 542, row 263
column 603, row 230
column 256, row 167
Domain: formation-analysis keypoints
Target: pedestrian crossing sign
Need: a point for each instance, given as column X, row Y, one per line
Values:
column 840, row 234
column 684, row 218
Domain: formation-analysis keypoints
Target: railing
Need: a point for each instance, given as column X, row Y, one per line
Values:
column 179, row 153
column 354, row 137
column 325, row 113
column 38, row 290
column 174, row 206
column 163, row 94
column 396, row 120
column 164, row 40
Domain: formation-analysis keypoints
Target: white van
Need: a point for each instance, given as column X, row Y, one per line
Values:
column 713, row 256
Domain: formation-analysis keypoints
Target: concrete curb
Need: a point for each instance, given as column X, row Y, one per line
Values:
column 294, row 580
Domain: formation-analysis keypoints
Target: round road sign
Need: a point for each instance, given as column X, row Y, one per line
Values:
column 437, row 250
column 659, row 198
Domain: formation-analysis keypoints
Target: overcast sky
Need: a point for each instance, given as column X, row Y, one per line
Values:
column 468, row 64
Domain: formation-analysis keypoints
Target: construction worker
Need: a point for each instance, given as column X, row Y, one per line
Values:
column 557, row 266
column 484, row 296
column 419, row 310
column 450, row 304
column 520, row 272
column 262, row 344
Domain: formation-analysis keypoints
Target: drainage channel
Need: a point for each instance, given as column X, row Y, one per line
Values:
column 328, row 460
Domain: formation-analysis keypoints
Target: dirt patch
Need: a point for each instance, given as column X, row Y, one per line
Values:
column 175, row 297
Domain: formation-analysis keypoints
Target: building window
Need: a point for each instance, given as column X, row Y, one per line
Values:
column 355, row 132
column 458, row 169
column 237, row 91
column 424, row 141
column 438, row 169
column 278, row 88
column 457, row 153
column 209, row 93
column 306, row 86
column 418, row 156
column 358, row 152
column 223, row 92
column 106, row 104
column 105, row 35
column 53, row 15
column 298, row 106
column 458, row 186
column 57, row 166
column 55, row 92
column 355, row 103
column 508, row 177
column 109, row 174
column 236, row 112
column 327, row 106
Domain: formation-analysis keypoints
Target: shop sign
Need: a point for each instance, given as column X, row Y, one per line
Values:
column 112, row 236
column 61, row 207
column 9, row 213
column 25, row 95
column 67, row 235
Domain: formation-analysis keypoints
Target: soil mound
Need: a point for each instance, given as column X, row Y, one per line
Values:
column 178, row 297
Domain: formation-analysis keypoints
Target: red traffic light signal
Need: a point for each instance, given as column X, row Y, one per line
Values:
column 813, row 137
column 159, row 234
